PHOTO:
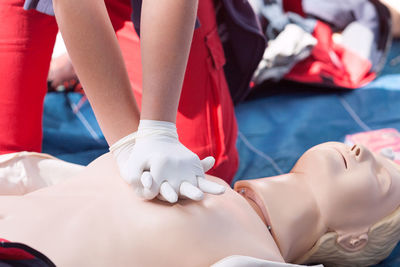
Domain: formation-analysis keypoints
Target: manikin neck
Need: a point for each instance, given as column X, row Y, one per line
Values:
column 293, row 214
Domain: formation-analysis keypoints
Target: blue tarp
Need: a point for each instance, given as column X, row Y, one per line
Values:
column 273, row 131
column 69, row 133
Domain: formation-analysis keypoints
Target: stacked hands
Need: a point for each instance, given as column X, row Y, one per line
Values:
column 156, row 164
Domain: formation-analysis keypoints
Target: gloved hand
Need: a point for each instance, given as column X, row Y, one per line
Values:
column 155, row 163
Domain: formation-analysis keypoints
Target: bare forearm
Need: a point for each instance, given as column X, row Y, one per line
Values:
column 97, row 59
column 394, row 7
column 166, row 34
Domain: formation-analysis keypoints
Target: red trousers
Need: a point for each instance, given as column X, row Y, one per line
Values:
column 206, row 121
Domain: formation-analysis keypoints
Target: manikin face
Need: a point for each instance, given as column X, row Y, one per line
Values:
column 353, row 187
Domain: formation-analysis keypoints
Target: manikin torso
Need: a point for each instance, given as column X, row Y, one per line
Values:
column 95, row 219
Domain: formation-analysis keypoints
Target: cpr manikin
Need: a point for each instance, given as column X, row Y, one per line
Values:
column 94, row 219
column 331, row 207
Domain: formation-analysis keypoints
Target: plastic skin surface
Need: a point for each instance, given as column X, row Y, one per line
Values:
column 95, row 219
column 332, row 187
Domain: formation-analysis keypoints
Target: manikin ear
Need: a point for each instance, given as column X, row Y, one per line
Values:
column 353, row 242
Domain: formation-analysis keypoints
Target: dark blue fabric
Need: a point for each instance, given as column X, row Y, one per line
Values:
column 43, row 6
column 23, row 256
column 243, row 42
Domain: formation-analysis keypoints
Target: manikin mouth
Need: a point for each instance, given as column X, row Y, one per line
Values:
column 257, row 204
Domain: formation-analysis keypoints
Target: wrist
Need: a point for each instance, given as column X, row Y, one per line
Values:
column 145, row 125
column 149, row 128
column 129, row 139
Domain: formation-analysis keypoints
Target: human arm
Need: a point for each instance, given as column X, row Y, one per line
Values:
column 98, row 62
column 165, row 165
column 166, row 36
column 394, row 8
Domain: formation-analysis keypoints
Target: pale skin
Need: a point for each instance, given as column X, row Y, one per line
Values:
column 166, row 33
column 61, row 70
column 325, row 179
column 394, row 8
column 94, row 219
column 92, row 214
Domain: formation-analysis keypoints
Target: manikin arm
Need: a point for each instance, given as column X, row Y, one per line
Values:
column 24, row 172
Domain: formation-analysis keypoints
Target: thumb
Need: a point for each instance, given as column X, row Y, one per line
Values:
column 207, row 163
column 131, row 171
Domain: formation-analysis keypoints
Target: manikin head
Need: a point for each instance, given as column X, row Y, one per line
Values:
column 357, row 197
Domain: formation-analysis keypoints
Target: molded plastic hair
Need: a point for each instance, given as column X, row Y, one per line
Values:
column 382, row 238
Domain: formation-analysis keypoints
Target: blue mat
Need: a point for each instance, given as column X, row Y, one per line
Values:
column 70, row 133
column 273, row 131
column 276, row 130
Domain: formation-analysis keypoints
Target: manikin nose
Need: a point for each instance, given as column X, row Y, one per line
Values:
column 356, row 151
column 359, row 152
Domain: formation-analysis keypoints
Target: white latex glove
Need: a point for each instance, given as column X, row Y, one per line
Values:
column 155, row 163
